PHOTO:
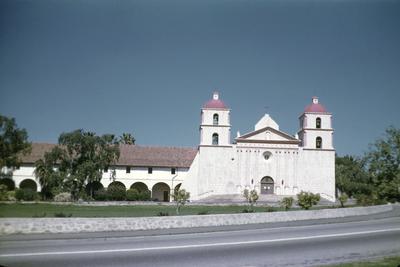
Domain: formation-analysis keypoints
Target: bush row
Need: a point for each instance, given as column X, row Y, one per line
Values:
column 118, row 193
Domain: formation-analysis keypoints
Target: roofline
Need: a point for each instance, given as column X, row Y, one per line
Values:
column 279, row 132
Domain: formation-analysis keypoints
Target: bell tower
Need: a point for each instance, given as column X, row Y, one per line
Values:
column 215, row 128
column 316, row 130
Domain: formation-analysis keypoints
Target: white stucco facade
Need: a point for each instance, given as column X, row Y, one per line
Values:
column 267, row 159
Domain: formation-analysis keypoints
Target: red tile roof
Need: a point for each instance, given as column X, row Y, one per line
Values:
column 133, row 155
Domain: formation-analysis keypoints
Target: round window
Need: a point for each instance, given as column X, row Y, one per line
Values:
column 267, row 155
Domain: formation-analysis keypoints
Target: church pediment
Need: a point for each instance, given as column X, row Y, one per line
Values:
column 266, row 135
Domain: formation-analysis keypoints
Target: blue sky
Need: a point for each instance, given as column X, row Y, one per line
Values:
column 147, row 67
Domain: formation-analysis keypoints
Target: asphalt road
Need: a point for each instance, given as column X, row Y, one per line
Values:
column 287, row 245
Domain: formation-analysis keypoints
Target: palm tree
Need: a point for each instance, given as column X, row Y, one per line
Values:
column 127, row 139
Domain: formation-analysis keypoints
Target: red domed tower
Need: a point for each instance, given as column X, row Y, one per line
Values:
column 215, row 125
column 316, row 127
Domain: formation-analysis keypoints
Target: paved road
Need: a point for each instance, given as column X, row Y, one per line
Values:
column 296, row 245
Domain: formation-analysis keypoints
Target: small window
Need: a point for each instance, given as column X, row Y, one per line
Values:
column 173, row 170
column 318, row 142
column 106, row 169
column 318, row 123
column 215, row 139
column 150, row 170
column 215, row 119
column 128, row 169
column 267, row 155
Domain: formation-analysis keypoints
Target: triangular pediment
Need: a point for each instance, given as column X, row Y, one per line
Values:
column 267, row 134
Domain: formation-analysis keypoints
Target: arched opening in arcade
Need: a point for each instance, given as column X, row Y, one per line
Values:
column 160, row 192
column 267, row 186
column 92, row 187
column 28, row 184
column 140, row 187
column 117, row 183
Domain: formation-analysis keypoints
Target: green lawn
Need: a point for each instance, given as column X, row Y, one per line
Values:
column 385, row 262
column 50, row 210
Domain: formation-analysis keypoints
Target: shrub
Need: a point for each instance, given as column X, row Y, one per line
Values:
column 269, row 209
column 247, row 210
column 8, row 182
column 3, row 192
column 251, row 197
column 11, row 196
column 343, row 199
column 163, row 213
column 287, row 203
column 306, row 199
column 133, row 195
column 145, row 195
column 368, row 200
column 100, row 195
column 25, row 194
column 116, row 192
column 63, row 197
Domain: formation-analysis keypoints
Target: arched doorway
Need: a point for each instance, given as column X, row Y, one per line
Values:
column 267, row 185
column 160, row 192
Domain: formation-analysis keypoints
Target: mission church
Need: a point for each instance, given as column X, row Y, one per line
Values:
column 267, row 159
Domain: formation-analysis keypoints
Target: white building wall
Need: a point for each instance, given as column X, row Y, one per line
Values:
column 25, row 172
column 317, row 172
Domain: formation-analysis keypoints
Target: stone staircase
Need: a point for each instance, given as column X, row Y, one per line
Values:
column 271, row 200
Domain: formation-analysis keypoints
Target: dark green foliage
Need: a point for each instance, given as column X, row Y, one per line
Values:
column 127, row 139
column 383, row 164
column 28, row 184
column 132, row 195
column 25, row 194
column 343, row 199
column 135, row 195
column 161, row 213
column 269, row 209
column 145, row 195
column 287, row 203
column 116, row 192
column 13, row 143
column 351, row 176
column 203, row 212
column 80, row 158
column 180, row 198
column 3, row 192
column 8, row 182
column 100, row 195
column 306, row 199
column 62, row 214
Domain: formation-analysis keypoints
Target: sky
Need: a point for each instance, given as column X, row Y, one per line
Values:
column 147, row 67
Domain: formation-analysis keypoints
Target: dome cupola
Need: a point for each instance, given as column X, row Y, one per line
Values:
column 215, row 102
column 315, row 107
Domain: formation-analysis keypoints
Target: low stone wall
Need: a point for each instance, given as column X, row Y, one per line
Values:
column 76, row 225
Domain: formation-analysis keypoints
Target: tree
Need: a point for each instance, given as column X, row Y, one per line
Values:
column 127, row 139
column 343, row 199
column 180, row 198
column 383, row 164
column 79, row 159
column 251, row 197
column 13, row 143
column 351, row 176
column 306, row 199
